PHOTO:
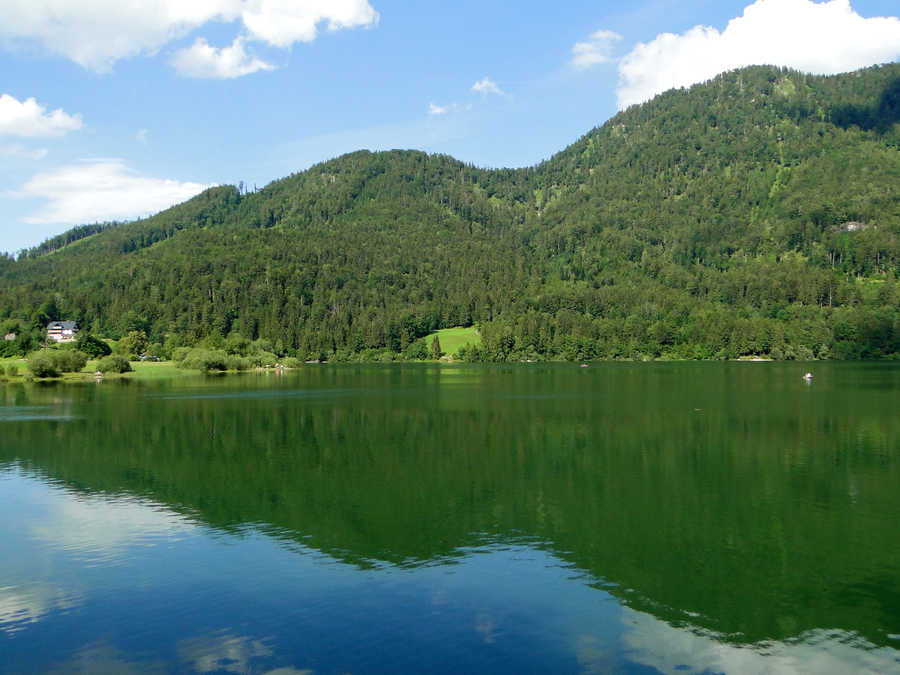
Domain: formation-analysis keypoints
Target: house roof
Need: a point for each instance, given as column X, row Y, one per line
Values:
column 64, row 325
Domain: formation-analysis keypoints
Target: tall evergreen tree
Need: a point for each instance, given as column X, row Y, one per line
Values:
column 436, row 352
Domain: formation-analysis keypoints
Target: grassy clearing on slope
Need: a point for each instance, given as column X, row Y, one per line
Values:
column 454, row 338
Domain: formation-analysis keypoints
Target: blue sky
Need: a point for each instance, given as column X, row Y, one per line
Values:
column 111, row 113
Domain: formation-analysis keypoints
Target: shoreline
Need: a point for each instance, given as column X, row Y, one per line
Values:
column 167, row 370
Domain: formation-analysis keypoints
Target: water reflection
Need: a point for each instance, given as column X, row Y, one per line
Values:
column 101, row 529
column 153, row 618
column 101, row 657
column 393, row 520
column 223, row 653
column 668, row 649
column 27, row 603
column 497, row 604
column 36, row 413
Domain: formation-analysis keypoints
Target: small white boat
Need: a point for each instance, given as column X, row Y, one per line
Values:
column 808, row 377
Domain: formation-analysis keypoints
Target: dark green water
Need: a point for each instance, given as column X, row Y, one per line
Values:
column 618, row 518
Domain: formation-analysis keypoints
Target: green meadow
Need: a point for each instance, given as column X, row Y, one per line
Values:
column 141, row 370
column 454, row 338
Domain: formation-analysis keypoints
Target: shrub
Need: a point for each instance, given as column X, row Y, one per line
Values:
column 12, row 370
column 235, row 362
column 42, row 364
column 471, row 353
column 261, row 345
column 52, row 362
column 114, row 364
column 179, row 354
column 417, row 351
column 92, row 346
column 205, row 359
column 291, row 362
column 172, row 343
column 70, row 361
column 134, row 344
column 157, row 351
column 236, row 343
column 263, row 359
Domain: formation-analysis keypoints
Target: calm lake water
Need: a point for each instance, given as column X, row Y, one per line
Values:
column 619, row 518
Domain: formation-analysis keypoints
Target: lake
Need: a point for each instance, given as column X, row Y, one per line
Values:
column 637, row 518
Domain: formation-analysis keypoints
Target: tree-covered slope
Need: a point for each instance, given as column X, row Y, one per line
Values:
column 756, row 214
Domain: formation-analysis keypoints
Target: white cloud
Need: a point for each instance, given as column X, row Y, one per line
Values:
column 100, row 190
column 141, row 136
column 816, row 37
column 23, row 152
column 434, row 109
column 97, row 33
column 596, row 50
column 29, row 119
column 201, row 60
column 487, row 86
column 281, row 23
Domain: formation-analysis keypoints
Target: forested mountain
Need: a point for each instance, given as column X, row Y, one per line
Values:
column 755, row 214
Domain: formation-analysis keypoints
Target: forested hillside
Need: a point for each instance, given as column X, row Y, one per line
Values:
column 757, row 214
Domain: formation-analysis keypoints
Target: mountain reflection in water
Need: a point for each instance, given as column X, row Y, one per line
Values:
column 719, row 518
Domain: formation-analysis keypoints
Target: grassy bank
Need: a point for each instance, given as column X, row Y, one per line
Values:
column 141, row 370
column 147, row 370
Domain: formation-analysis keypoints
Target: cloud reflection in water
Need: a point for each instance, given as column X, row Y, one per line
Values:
column 668, row 649
column 102, row 528
column 25, row 605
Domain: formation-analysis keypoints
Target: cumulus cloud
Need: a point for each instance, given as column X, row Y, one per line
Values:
column 97, row 33
column 816, row 37
column 29, row 119
column 596, row 50
column 281, row 23
column 487, row 86
column 99, row 190
column 201, row 60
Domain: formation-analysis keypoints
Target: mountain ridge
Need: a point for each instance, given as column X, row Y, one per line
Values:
column 726, row 204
